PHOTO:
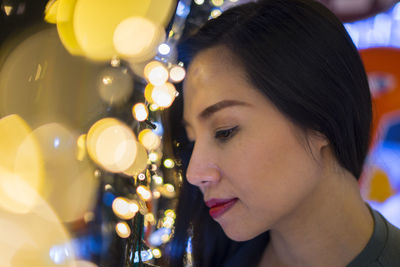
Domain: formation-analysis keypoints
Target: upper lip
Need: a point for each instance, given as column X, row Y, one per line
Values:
column 217, row 201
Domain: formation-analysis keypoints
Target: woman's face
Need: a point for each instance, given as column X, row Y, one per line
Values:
column 252, row 165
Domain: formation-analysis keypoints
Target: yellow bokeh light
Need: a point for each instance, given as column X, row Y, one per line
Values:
column 140, row 162
column 157, row 179
column 170, row 213
column 122, row 208
column 169, row 163
column 156, row 73
column 31, row 239
column 21, row 165
column 148, row 90
column 170, row 188
column 139, row 112
column 199, row 2
column 112, row 145
column 153, row 156
column 164, row 95
column 154, row 107
column 165, row 238
column 149, row 217
column 143, row 192
column 137, row 37
column 81, row 144
column 177, row 74
column 69, row 183
column 217, row 2
column 168, row 222
column 51, row 11
column 156, row 194
column 156, row 253
column 123, row 229
column 133, row 206
column 215, row 13
column 149, row 139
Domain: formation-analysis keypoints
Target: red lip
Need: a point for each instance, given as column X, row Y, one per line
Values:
column 220, row 206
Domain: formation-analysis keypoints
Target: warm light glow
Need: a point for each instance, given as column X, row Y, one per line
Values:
column 169, row 163
column 133, row 206
column 168, row 222
column 156, row 73
column 141, row 177
column 217, row 2
column 154, row 107
column 165, row 238
column 149, row 139
column 149, row 217
column 156, row 194
column 123, row 230
column 148, row 90
column 170, row 213
column 135, row 36
column 157, row 179
column 140, row 162
column 177, row 74
column 112, row 145
column 21, row 165
column 143, row 192
column 156, row 253
column 164, row 49
column 122, row 208
column 140, row 112
column 153, row 156
column 170, row 188
column 51, row 11
column 81, row 144
column 115, row 85
column 164, row 95
column 199, row 2
column 215, row 13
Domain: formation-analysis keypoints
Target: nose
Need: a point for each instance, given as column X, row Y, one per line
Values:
column 203, row 169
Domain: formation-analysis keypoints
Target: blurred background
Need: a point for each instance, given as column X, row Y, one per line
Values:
column 87, row 177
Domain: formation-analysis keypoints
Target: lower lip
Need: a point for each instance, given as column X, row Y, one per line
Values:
column 217, row 211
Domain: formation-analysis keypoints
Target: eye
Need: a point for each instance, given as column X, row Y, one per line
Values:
column 225, row 134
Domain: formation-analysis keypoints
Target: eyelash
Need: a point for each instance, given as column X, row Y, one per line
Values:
column 226, row 134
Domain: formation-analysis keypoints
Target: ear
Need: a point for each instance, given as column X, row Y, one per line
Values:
column 317, row 142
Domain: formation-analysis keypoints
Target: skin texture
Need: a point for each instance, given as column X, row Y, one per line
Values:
column 286, row 180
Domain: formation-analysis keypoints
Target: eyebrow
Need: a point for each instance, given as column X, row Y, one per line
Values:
column 210, row 110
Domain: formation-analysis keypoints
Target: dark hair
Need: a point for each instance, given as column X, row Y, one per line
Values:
column 300, row 56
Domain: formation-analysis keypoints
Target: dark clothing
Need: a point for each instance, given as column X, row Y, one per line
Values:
column 382, row 250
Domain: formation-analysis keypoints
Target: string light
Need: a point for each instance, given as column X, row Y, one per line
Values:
column 139, row 112
column 143, row 192
column 177, row 74
column 123, row 230
column 164, row 49
column 156, row 253
column 123, row 209
column 157, row 179
column 169, row 163
column 164, row 95
column 217, row 3
column 156, row 73
column 215, row 13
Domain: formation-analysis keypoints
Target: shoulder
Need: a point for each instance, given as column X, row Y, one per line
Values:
column 391, row 253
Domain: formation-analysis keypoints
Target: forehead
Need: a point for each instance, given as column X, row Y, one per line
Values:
column 214, row 74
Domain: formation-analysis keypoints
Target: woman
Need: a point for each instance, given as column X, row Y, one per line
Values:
column 277, row 105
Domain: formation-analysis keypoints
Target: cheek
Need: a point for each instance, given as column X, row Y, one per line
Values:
column 273, row 171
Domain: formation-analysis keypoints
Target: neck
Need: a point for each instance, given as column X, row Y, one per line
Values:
column 329, row 228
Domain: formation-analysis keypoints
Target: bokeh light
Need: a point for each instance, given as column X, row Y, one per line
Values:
column 149, row 139
column 169, row 163
column 143, row 192
column 157, row 179
column 217, row 2
column 140, row 162
column 177, row 74
column 199, row 2
column 21, row 165
column 156, row 253
column 139, row 112
column 112, row 145
column 27, row 239
column 156, row 73
column 123, row 229
column 69, row 185
column 164, row 49
column 115, row 85
column 137, row 38
column 216, row 12
column 122, row 208
column 164, row 95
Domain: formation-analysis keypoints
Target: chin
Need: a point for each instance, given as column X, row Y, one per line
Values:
column 239, row 235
